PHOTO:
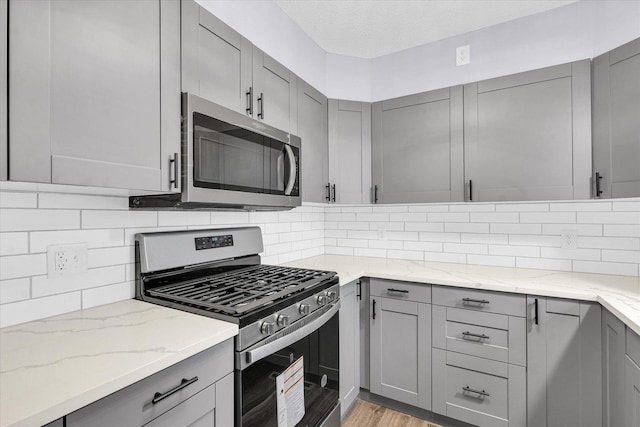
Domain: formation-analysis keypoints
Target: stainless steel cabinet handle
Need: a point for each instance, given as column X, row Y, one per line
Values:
column 598, row 191
column 333, row 188
column 261, row 106
column 474, row 301
column 471, row 334
column 479, row 392
column 359, row 290
column 249, row 108
column 470, row 190
column 535, row 308
column 375, row 194
column 173, row 163
column 374, row 309
column 328, row 188
column 184, row 383
column 402, row 291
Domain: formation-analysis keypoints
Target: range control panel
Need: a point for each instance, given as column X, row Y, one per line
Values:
column 213, row 242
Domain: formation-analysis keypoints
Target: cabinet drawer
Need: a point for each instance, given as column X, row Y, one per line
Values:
column 400, row 290
column 134, row 405
column 487, row 301
column 488, row 335
column 478, row 391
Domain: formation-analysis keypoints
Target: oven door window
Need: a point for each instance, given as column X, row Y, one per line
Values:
column 321, row 379
column 227, row 157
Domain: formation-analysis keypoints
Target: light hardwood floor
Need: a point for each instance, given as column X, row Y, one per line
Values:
column 367, row 414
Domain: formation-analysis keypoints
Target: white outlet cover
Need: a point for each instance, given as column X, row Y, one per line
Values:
column 463, row 55
column 569, row 239
column 74, row 260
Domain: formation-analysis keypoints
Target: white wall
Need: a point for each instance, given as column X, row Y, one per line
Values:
column 577, row 31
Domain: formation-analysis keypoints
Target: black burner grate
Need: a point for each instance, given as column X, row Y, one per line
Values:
column 242, row 291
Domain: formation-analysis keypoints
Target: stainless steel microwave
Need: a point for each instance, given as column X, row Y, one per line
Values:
column 231, row 161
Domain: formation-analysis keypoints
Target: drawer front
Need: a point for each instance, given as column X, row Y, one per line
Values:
column 400, row 290
column 134, row 405
column 198, row 409
column 485, row 301
column 478, row 391
column 493, row 336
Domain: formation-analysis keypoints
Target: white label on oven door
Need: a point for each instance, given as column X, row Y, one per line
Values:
column 290, row 392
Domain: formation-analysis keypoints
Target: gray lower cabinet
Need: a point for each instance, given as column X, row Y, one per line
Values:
column 195, row 392
column 527, row 136
column 400, row 342
column 350, row 151
column 216, row 60
column 274, row 92
column 417, row 148
column 632, row 380
column 613, row 367
column 312, row 129
column 95, row 92
column 4, row 33
column 616, row 127
column 349, row 346
column 564, row 363
column 56, row 423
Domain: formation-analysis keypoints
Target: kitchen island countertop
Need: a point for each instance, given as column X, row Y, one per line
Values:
column 618, row 294
column 54, row 366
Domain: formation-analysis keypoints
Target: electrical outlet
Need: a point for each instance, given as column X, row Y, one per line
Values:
column 569, row 239
column 463, row 55
column 382, row 233
column 66, row 260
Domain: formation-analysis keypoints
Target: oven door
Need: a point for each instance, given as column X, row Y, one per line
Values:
column 317, row 341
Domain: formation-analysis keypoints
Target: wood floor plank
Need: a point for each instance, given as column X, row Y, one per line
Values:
column 367, row 414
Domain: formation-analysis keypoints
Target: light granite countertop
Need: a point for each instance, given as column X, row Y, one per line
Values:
column 54, row 366
column 618, row 294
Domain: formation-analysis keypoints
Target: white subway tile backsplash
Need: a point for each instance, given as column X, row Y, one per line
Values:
column 38, row 219
column 595, row 206
column 621, row 256
column 386, row 244
column 408, row 217
column 544, row 263
column 522, row 207
column 360, row 234
column 516, row 228
column 425, row 226
column 439, row 237
column 627, row 206
column 606, row 268
column 277, row 249
column 581, row 229
column 429, row 208
column 110, row 256
column 265, row 217
column 38, row 308
column 357, row 209
column 466, row 227
column 39, row 240
column 81, row 201
column 229, row 218
column 548, row 217
column 14, row 243
column 445, row 257
column 353, row 243
column 302, row 244
column 472, row 207
column 532, row 240
column 14, row 266
column 42, row 285
column 466, row 248
column 341, row 233
column 622, row 230
column 390, row 226
column 284, row 227
column 609, row 217
column 409, row 255
column 291, row 216
column 107, row 294
column 497, row 239
column 340, row 217
column 402, row 235
column 18, row 200
column 449, row 217
column 508, row 250
column 377, row 253
column 177, row 218
column 423, row 246
column 335, row 250
column 353, row 225
column 632, row 243
column 499, row 261
column 378, row 216
column 15, row 290
column 390, row 208
column 130, row 233
column 290, row 237
column 511, row 217
column 579, row 254
column 118, row 219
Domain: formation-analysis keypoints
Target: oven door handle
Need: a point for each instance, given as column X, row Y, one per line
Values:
column 251, row 356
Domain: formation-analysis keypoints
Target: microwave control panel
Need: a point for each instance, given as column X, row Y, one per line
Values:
column 213, row 242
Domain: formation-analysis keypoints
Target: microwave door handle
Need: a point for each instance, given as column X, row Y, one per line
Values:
column 293, row 169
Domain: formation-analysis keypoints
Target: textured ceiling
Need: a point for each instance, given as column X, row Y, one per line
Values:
column 372, row 28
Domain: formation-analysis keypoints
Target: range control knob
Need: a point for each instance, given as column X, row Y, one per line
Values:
column 332, row 296
column 267, row 328
column 283, row 320
column 321, row 299
column 304, row 309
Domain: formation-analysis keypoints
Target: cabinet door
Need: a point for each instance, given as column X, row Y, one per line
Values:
column 613, row 377
column 417, row 147
column 349, row 346
column 216, row 60
column 312, row 129
column 4, row 33
column 275, row 93
column 564, row 363
column 632, row 393
column 401, row 351
column 350, row 150
column 90, row 83
column 528, row 135
column 616, row 128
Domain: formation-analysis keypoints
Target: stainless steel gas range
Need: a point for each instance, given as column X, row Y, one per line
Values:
column 288, row 317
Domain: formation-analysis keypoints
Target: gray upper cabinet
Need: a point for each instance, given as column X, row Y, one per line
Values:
column 527, row 136
column 350, row 151
column 564, row 363
column 216, row 60
column 274, row 92
column 95, row 92
column 417, row 148
column 4, row 32
column 312, row 129
column 616, row 122
column 613, row 365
